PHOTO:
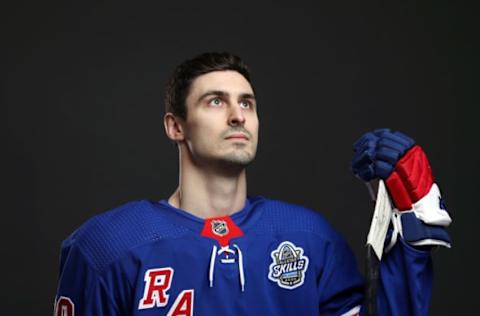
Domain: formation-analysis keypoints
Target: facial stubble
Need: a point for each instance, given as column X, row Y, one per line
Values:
column 239, row 156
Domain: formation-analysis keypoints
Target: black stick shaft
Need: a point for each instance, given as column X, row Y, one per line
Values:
column 372, row 265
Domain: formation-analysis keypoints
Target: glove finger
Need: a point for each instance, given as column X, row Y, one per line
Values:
column 366, row 146
column 366, row 173
column 362, row 158
column 394, row 135
column 393, row 144
column 365, row 170
column 381, row 131
column 387, row 154
column 408, row 140
column 383, row 169
column 368, row 139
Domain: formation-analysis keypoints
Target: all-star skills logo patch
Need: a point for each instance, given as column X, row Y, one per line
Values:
column 289, row 266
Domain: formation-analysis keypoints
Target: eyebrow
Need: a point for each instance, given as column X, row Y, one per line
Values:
column 221, row 93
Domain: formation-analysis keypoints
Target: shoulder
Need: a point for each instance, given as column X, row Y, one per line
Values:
column 288, row 217
column 110, row 235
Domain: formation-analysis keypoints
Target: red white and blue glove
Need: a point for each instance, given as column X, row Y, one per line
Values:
column 420, row 216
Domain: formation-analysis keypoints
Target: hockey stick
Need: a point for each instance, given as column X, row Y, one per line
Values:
column 372, row 265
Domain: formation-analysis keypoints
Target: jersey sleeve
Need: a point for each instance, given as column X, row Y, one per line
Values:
column 81, row 290
column 405, row 284
column 341, row 285
column 404, row 288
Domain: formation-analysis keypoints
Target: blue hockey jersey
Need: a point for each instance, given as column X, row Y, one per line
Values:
column 270, row 258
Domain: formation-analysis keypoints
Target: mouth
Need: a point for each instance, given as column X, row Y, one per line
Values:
column 237, row 136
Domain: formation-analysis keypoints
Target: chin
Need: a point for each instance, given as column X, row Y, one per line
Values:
column 239, row 158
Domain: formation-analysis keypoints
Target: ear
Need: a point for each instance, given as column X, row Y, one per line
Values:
column 173, row 127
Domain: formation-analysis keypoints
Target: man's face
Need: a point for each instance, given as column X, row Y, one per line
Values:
column 222, row 122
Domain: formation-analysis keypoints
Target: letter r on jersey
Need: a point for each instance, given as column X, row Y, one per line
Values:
column 64, row 307
column 157, row 283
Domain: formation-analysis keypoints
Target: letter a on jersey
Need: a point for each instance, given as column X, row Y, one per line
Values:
column 183, row 305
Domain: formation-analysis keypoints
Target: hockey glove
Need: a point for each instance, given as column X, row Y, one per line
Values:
column 420, row 215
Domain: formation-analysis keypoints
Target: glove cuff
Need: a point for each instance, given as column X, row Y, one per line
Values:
column 417, row 233
column 431, row 208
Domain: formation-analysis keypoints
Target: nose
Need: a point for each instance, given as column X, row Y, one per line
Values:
column 236, row 116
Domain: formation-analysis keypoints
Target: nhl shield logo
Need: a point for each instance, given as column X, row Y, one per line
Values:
column 219, row 227
column 289, row 266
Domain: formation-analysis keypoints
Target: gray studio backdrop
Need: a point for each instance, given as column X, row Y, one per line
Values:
column 82, row 105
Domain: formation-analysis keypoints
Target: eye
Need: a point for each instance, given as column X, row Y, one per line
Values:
column 246, row 104
column 216, row 102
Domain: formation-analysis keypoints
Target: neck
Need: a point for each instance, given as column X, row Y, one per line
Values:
column 209, row 192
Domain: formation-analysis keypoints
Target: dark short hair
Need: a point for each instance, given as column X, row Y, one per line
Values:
column 179, row 84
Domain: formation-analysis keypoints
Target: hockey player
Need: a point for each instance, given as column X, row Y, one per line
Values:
column 210, row 250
